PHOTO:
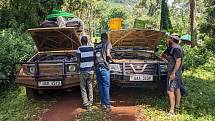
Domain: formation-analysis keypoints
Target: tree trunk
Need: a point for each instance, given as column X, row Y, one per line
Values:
column 90, row 16
column 193, row 22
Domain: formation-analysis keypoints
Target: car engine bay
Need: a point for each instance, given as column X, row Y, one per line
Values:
column 53, row 57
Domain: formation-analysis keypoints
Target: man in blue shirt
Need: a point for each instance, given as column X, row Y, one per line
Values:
column 102, row 57
column 85, row 54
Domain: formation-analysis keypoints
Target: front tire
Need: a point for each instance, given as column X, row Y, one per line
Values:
column 31, row 93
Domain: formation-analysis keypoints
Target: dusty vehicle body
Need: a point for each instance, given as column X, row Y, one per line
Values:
column 136, row 64
column 55, row 65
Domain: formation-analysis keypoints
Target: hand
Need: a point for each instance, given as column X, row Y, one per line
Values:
column 112, row 62
column 172, row 76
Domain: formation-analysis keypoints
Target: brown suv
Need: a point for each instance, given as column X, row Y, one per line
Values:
column 55, row 65
column 136, row 64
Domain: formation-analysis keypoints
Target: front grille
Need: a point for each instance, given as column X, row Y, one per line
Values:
column 50, row 69
column 140, row 68
column 116, row 76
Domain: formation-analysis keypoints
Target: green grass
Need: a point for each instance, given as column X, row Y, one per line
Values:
column 15, row 106
column 199, row 105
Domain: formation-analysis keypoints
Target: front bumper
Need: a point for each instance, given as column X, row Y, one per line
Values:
column 31, row 82
column 49, row 72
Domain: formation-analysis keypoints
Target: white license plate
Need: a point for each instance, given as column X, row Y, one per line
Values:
column 141, row 77
column 49, row 83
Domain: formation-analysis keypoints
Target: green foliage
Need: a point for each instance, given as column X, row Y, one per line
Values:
column 106, row 10
column 15, row 46
column 165, row 23
column 15, row 106
column 179, row 15
column 5, row 18
column 207, row 26
column 76, row 5
column 195, row 57
column 30, row 13
column 119, row 12
column 152, row 6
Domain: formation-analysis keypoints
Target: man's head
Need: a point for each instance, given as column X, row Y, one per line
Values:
column 104, row 37
column 84, row 40
column 173, row 39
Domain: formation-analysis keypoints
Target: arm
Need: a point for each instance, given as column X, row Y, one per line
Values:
column 109, row 55
column 78, row 54
column 176, row 67
column 164, row 54
column 177, row 54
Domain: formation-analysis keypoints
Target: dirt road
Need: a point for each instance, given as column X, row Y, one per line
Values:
column 68, row 106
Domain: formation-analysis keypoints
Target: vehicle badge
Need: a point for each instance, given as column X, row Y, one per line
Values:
column 138, row 67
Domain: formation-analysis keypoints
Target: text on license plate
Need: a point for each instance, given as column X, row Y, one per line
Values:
column 49, row 83
column 141, row 77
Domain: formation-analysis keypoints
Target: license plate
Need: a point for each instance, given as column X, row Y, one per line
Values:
column 141, row 77
column 49, row 83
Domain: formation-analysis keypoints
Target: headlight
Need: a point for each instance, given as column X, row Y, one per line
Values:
column 71, row 68
column 31, row 69
column 163, row 68
column 115, row 67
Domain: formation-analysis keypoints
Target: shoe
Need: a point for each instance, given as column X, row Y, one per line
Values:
column 86, row 107
column 184, row 95
column 102, row 106
column 108, row 109
column 177, row 107
column 90, row 104
column 170, row 114
column 89, row 108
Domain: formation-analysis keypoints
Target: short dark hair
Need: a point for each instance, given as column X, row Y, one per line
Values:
column 84, row 40
column 104, row 35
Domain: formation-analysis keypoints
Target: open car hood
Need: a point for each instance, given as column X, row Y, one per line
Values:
column 135, row 38
column 55, row 38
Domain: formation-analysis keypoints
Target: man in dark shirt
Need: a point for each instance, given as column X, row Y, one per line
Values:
column 165, row 55
column 102, row 57
column 174, row 55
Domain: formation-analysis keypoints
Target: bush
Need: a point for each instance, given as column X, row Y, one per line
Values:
column 195, row 57
column 15, row 46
